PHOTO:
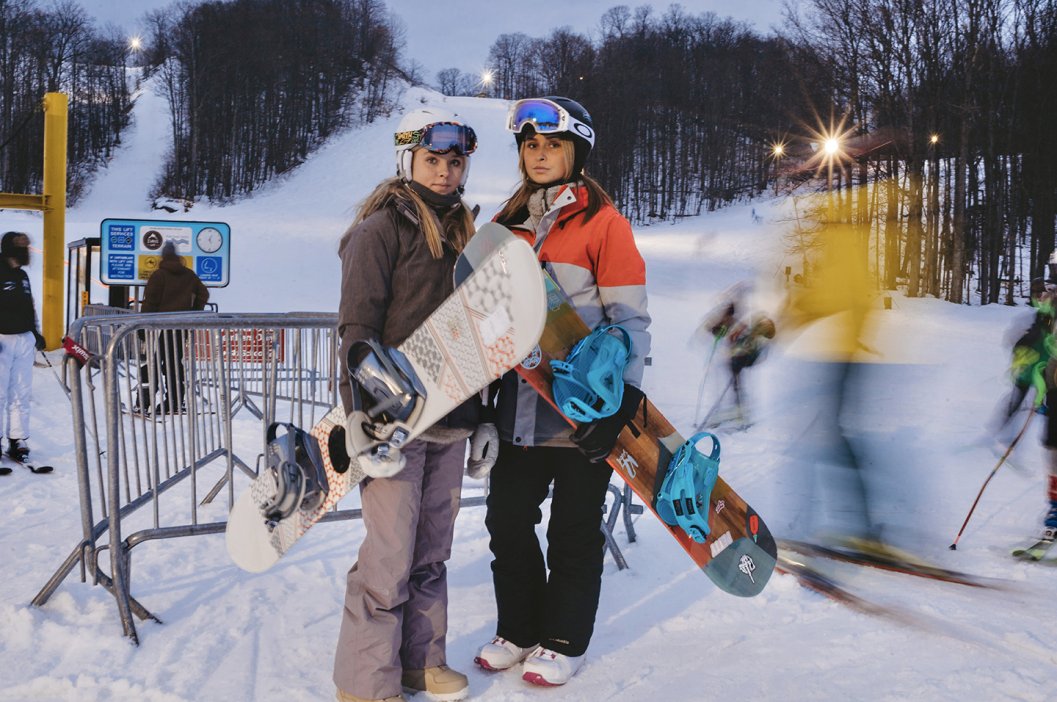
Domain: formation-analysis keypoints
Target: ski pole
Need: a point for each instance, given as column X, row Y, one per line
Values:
column 1031, row 415
column 715, row 407
column 53, row 372
column 704, row 377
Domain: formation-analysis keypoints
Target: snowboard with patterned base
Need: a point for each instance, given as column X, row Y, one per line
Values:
column 486, row 327
column 739, row 554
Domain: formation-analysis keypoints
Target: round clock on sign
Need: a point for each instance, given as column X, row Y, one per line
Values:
column 209, row 240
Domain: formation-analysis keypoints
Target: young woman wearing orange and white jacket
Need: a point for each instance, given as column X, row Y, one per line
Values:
column 547, row 619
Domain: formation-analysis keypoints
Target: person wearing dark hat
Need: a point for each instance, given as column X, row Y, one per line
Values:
column 546, row 606
column 19, row 340
column 172, row 288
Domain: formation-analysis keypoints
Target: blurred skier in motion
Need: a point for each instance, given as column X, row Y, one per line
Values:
column 745, row 340
column 1034, row 366
column 1049, row 525
column 1031, row 353
column 831, row 316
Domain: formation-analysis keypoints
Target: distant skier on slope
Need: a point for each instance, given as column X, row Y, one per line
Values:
column 744, row 341
column 748, row 343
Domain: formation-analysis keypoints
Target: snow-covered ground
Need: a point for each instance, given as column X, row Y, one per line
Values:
column 664, row 632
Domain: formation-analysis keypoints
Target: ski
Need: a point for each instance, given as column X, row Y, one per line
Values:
column 708, row 420
column 1037, row 550
column 32, row 467
column 887, row 558
column 813, row 579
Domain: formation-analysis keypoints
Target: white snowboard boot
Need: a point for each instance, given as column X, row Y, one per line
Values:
column 547, row 667
column 500, row 654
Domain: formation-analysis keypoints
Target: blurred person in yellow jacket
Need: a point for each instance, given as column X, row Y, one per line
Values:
column 830, row 314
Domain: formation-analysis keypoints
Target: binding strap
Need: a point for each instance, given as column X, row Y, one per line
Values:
column 686, row 489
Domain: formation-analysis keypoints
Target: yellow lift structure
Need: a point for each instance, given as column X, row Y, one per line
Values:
column 52, row 202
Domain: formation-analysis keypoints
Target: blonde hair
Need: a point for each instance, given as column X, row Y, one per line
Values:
column 456, row 225
column 597, row 197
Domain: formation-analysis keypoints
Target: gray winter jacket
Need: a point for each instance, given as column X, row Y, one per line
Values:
column 390, row 284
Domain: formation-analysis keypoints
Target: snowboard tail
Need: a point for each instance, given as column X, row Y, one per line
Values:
column 491, row 322
column 739, row 553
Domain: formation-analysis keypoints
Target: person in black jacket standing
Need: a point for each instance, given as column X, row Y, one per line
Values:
column 19, row 340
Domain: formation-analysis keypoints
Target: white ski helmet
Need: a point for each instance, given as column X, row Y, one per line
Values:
column 437, row 130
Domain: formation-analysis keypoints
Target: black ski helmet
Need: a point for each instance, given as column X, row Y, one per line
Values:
column 581, row 128
column 7, row 243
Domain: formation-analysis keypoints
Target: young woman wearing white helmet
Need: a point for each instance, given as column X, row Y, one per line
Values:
column 397, row 260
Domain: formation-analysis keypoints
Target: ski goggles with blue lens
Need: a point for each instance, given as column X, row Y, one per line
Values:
column 546, row 117
column 440, row 138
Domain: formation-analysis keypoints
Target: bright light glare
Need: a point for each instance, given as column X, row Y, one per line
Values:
column 934, row 139
column 135, row 43
column 778, row 150
column 487, row 76
column 831, row 146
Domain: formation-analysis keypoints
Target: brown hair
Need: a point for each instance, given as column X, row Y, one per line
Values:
column 456, row 225
column 597, row 197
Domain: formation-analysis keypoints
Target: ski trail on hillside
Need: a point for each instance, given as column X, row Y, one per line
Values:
column 122, row 187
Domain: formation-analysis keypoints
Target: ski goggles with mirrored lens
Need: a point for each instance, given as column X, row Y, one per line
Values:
column 440, row 138
column 546, row 117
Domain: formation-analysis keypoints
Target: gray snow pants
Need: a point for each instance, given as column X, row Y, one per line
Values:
column 396, row 599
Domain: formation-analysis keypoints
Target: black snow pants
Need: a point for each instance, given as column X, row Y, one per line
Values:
column 555, row 609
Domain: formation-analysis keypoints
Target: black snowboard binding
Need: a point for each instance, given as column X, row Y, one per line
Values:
column 387, row 400
column 296, row 466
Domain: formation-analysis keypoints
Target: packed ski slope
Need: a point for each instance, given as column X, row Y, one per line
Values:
column 663, row 631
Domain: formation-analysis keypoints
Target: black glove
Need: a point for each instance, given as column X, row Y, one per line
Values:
column 40, row 342
column 596, row 439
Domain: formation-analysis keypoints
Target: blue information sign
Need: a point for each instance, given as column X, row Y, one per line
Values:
column 121, row 267
column 209, row 268
column 131, row 249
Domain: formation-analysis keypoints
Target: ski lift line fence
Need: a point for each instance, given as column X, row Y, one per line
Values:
column 144, row 474
column 151, row 475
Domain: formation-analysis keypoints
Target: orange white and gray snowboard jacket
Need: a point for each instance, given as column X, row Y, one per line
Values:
column 600, row 269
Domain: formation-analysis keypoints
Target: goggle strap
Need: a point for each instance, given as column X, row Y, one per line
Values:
column 409, row 138
column 465, row 145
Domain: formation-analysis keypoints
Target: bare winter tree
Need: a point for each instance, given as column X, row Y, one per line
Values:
column 255, row 85
column 57, row 50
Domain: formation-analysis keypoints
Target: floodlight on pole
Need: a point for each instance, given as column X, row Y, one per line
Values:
column 777, row 151
column 487, row 78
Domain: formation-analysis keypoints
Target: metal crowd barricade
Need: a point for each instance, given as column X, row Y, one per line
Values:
column 171, row 405
column 168, row 408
